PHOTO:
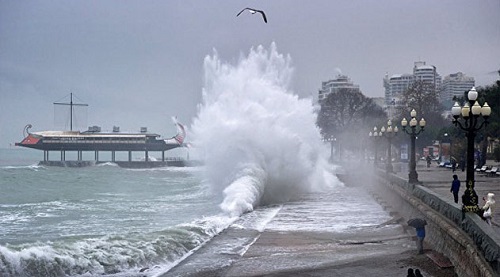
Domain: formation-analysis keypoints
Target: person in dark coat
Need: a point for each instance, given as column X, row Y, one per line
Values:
column 455, row 187
column 417, row 273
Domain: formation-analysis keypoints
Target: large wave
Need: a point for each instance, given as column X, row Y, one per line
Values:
column 136, row 254
column 259, row 140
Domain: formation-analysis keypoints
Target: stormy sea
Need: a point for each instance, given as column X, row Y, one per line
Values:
column 262, row 154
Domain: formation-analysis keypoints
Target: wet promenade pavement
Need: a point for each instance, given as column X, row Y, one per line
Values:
column 387, row 251
column 373, row 252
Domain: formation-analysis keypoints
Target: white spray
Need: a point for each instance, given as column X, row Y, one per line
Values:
column 260, row 141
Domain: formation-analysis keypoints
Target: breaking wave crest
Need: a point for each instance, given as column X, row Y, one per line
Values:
column 133, row 255
column 260, row 141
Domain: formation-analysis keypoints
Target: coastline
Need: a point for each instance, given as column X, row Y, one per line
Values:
column 385, row 249
column 299, row 253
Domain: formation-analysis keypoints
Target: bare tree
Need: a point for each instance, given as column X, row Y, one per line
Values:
column 347, row 108
column 348, row 115
column 423, row 97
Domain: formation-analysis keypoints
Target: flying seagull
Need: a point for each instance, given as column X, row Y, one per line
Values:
column 253, row 11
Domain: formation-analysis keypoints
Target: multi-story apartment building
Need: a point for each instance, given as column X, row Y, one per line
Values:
column 454, row 85
column 395, row 86
column 427, row 74
column 399, row 83
column 342, row 81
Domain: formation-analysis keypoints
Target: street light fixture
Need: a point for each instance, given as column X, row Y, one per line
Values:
column 469, row 115
column 412, row 174
column 443, row 153
column 389, row 133
column 331, row 139
column 375, row 136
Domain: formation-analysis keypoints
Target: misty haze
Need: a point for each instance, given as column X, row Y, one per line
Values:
column 188, row 138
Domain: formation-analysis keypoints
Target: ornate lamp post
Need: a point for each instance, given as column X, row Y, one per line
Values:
column 412, row 174
column 389, row 133
column 467, row 119
column 375, row 136
column 332, row 140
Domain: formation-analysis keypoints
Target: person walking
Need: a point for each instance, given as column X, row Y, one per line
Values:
column 420, row 239
column 488, row 207
column 455, row 187
column 419, row 225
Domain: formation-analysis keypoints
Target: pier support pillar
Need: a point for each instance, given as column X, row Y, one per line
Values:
column 113, row 156
column 96, row 156
column 162, row 156
column 80, row 155
column 129, row 156
column 146, row 158
column 63, row 155
column 45, row 155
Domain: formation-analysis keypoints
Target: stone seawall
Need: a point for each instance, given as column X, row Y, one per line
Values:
column 470, row 244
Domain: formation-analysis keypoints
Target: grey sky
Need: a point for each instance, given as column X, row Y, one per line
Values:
column 137, row 63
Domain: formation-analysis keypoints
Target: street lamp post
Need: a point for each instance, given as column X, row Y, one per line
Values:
column 375, row 135
column 441, row 149
column 412, row 174
column 389, row 133
column 469, row 115
column 331, row 139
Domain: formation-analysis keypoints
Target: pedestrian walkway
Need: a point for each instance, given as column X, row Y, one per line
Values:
column 438, row 179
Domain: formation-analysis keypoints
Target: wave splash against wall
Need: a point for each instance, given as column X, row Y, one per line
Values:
column 260, row 141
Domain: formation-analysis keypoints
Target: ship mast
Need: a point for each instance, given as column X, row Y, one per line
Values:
column 70, row 104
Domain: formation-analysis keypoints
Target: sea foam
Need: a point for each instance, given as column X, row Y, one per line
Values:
column 260, row 141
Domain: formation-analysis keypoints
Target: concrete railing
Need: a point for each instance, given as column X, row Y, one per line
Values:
column 471, row 245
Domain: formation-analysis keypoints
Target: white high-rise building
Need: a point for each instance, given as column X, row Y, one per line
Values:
column 427, row 74
column 342, row 81
column 454, row 85
column 395, row 86
column 399, row 83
